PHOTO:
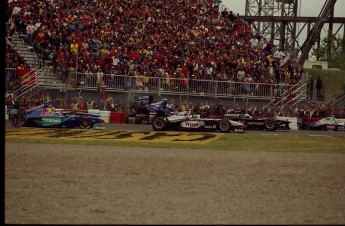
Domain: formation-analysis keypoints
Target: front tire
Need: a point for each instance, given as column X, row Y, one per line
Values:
column 21, row 121
column 224, row 126
column 85, row 123
column 159, row 124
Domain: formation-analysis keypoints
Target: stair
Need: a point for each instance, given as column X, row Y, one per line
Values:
column 337, row 101
column 49, row 79
column 45, row 76
column 25, row 50
column 294, row 95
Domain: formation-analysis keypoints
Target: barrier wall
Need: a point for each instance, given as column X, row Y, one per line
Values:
column 118, row 117
column 293, row 120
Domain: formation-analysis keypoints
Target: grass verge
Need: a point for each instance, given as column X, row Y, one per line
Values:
column 227, row 142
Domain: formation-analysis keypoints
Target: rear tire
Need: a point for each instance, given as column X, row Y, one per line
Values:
column 85, row 123
column 224, row 126
column 145, row 120
column 21, row 121
column 159, row 124
column 270, row 125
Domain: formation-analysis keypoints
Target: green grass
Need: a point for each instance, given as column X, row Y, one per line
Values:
column 228, row 142
column 334, row 81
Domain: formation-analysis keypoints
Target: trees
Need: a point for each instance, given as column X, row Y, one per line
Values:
column 332, row 50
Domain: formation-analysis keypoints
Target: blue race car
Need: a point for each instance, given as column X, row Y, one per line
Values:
column 45, row 115
column 144, row 110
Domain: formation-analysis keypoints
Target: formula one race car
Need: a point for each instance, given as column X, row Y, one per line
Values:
column 269, row 124
column 328, row 123
column 185, row 120
column 143, row 110
column 45, row 115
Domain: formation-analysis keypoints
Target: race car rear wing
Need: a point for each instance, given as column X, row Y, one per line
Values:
column 149, row 99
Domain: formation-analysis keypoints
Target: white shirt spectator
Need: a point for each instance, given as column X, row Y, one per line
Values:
column 282, row 61
column 115, row 60
column 241, row 75
column 37, row 25
column 278, row 54
column 16, row 10
column 30, row 28
column 209, row 71
column 99, row 77
column 254, row 42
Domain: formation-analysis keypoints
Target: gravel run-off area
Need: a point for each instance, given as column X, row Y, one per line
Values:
column 79, row 184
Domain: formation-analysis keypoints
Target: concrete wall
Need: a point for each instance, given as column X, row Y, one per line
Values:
column 314, row 64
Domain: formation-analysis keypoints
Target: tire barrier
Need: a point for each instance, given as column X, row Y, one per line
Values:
column 105, row 115
column 117, row 117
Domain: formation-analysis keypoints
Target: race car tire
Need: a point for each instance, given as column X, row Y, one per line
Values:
column 270, row 125
column 140, row 120
column 224, row 126
column 159, row 124
column 20, row 121
column 145, row 120
column 135, row 107
column 85, row 123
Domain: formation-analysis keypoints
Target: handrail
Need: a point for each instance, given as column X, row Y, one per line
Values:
column 297, row 97
column 27, row 79
column 167, row 86
column 338, row 100
column 292, row 90
column 23, row 89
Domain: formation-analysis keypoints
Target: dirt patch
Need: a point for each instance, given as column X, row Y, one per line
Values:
column 75, row 184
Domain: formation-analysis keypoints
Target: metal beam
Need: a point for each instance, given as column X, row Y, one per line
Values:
column 339, row 20
column 315, row 32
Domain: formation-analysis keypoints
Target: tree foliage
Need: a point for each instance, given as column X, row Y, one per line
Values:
column 332, row 50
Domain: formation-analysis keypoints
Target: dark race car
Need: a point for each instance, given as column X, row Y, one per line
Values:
column 45, row 115
column 269, row 124
column 143, row 110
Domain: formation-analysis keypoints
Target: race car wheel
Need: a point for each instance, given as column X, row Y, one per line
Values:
column 159, row 124
column 140, row 120
column 20, row 121
column 145, row 120
column 135, row 107
column 224, row 126
column 85, row 123
column 270, row 125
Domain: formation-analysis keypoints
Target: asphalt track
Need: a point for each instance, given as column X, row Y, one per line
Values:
column 148, row 128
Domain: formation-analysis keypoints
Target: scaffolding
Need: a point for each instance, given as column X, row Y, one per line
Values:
column 277, row 20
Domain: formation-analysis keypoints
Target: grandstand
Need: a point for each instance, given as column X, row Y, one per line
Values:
column 189, row 49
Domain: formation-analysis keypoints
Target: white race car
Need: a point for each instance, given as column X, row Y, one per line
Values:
column 328, row 123
column 187, row 121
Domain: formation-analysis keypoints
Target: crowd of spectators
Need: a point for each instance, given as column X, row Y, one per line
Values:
column 187, row 39
column 212, row 108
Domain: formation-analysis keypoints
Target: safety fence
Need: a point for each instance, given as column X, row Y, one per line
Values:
column 163, row 85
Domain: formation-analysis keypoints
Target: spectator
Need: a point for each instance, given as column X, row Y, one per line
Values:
column 74, row 104
column 310, row 87
column 89, row 104
column 319, row 87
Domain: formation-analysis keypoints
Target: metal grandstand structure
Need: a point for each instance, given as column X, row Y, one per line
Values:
column 275, row 19
column 278, row 19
